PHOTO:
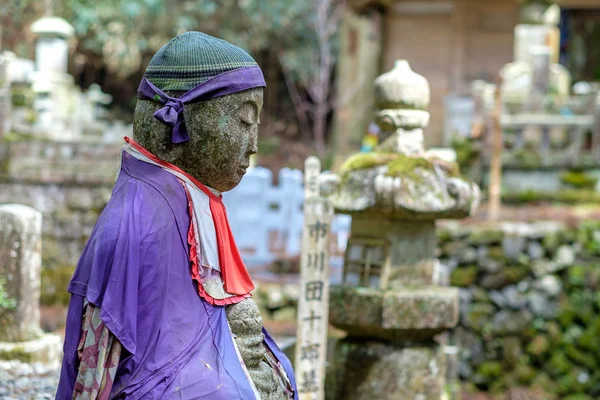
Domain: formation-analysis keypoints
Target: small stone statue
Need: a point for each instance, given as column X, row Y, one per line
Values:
column 161, row 292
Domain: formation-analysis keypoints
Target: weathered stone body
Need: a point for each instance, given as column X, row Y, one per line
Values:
column 246, row 326
column 390, row 302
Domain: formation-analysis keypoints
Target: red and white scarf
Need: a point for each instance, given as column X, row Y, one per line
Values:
column 220, row 272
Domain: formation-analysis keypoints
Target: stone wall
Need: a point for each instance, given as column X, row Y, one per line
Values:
column 530, row 309
column 69, row 183
column 44, row 161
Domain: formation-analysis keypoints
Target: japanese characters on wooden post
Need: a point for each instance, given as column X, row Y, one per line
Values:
column 314, row 288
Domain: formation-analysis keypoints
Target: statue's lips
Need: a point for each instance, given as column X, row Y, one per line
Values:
column 243, row 168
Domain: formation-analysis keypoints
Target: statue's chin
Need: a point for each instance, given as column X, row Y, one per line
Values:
column 230, row 183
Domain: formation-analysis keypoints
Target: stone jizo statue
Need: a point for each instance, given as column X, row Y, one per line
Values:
column 161, row 305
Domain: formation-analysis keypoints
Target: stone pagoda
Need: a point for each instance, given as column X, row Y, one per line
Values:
column 391, row 302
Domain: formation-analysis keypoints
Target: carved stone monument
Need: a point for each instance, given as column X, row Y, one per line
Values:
column 390, row 302
column 20, row 270
column 535, row 80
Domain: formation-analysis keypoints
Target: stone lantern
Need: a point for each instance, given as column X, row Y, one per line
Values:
column 53, row 85
column 390, row 302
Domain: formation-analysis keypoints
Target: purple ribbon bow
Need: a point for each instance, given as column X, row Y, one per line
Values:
column 171, row 114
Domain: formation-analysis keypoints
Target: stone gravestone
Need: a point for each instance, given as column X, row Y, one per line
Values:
column 314, row 288
column 391, row 302
column 20, row 270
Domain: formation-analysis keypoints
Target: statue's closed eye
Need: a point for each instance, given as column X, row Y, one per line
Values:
column 248, row 113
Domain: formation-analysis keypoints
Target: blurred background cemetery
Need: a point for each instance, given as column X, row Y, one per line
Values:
column 514, row 103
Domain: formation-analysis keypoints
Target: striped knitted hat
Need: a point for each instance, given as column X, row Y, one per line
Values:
column 192, row 58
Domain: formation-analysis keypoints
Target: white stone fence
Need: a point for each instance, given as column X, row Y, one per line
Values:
column 267, row 219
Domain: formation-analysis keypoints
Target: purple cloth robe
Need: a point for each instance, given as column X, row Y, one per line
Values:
column 135, row 267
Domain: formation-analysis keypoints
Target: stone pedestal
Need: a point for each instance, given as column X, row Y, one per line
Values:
column 20, row 271
column 373, row 370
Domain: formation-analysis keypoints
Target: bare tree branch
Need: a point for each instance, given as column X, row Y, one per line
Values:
column 300, row 105
column 338, row 101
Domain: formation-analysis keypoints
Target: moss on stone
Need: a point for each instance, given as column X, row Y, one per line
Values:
column 466, row 152
column 18, row 353
column 405, row 165
column 578, row 179
column 464, row 277
column 366, row 160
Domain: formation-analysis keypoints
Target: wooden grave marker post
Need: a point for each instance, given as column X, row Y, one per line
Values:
column 313, row 304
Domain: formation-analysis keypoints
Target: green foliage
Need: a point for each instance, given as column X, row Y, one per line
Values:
column 466, row 151
column 126, row 32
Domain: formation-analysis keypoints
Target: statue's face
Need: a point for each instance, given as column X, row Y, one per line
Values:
column 223, row 136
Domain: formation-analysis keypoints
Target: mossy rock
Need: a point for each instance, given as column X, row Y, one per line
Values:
column 496, row 253
column 485, row 237
column 481, row 295
column 480, row 315
column 464, row 276
column 515, row 273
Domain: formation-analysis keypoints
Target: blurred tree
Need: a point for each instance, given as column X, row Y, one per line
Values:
column 118, row 37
